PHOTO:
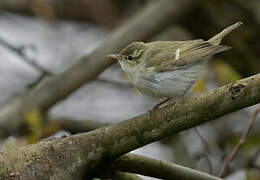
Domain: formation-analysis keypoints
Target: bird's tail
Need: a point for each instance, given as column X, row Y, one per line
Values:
column 217, row 38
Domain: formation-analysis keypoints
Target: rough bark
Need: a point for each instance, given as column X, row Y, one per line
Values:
column 84, row 154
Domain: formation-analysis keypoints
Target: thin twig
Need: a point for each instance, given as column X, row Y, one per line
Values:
column 20, row 51
column 239, row 144
column 37, row 81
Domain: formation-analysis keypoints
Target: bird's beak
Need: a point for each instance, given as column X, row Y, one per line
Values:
column 113, row 57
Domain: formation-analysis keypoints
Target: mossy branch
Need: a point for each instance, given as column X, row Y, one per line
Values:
column 83, row 154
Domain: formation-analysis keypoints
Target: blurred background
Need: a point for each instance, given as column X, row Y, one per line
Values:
column 40, row 38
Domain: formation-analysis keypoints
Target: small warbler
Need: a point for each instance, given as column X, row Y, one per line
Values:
column 168, row 69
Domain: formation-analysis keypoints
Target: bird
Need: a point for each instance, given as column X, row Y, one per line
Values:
column 169, row 69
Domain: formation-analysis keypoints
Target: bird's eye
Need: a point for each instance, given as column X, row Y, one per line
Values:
column 129, row 58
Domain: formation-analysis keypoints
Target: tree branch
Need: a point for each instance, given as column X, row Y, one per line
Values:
column 20, row 52
column 155, row 168
column 126, row 176
column 143, row 25
column 83, row 154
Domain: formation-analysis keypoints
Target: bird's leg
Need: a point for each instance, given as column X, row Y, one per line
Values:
column 175, row 103
column 156, row 107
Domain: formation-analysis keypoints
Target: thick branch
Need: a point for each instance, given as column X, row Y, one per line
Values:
column 82, row 154
column 159, row 169
column 140, row 27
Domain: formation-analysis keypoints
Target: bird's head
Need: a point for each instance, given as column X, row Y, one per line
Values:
column 130, row 56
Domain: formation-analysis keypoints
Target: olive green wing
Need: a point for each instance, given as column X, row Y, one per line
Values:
column 173, row 56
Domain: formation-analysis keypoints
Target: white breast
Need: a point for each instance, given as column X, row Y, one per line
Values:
column 168, row 84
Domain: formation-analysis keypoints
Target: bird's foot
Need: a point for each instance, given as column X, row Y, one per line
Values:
column 156, row 107
column 175, row 104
